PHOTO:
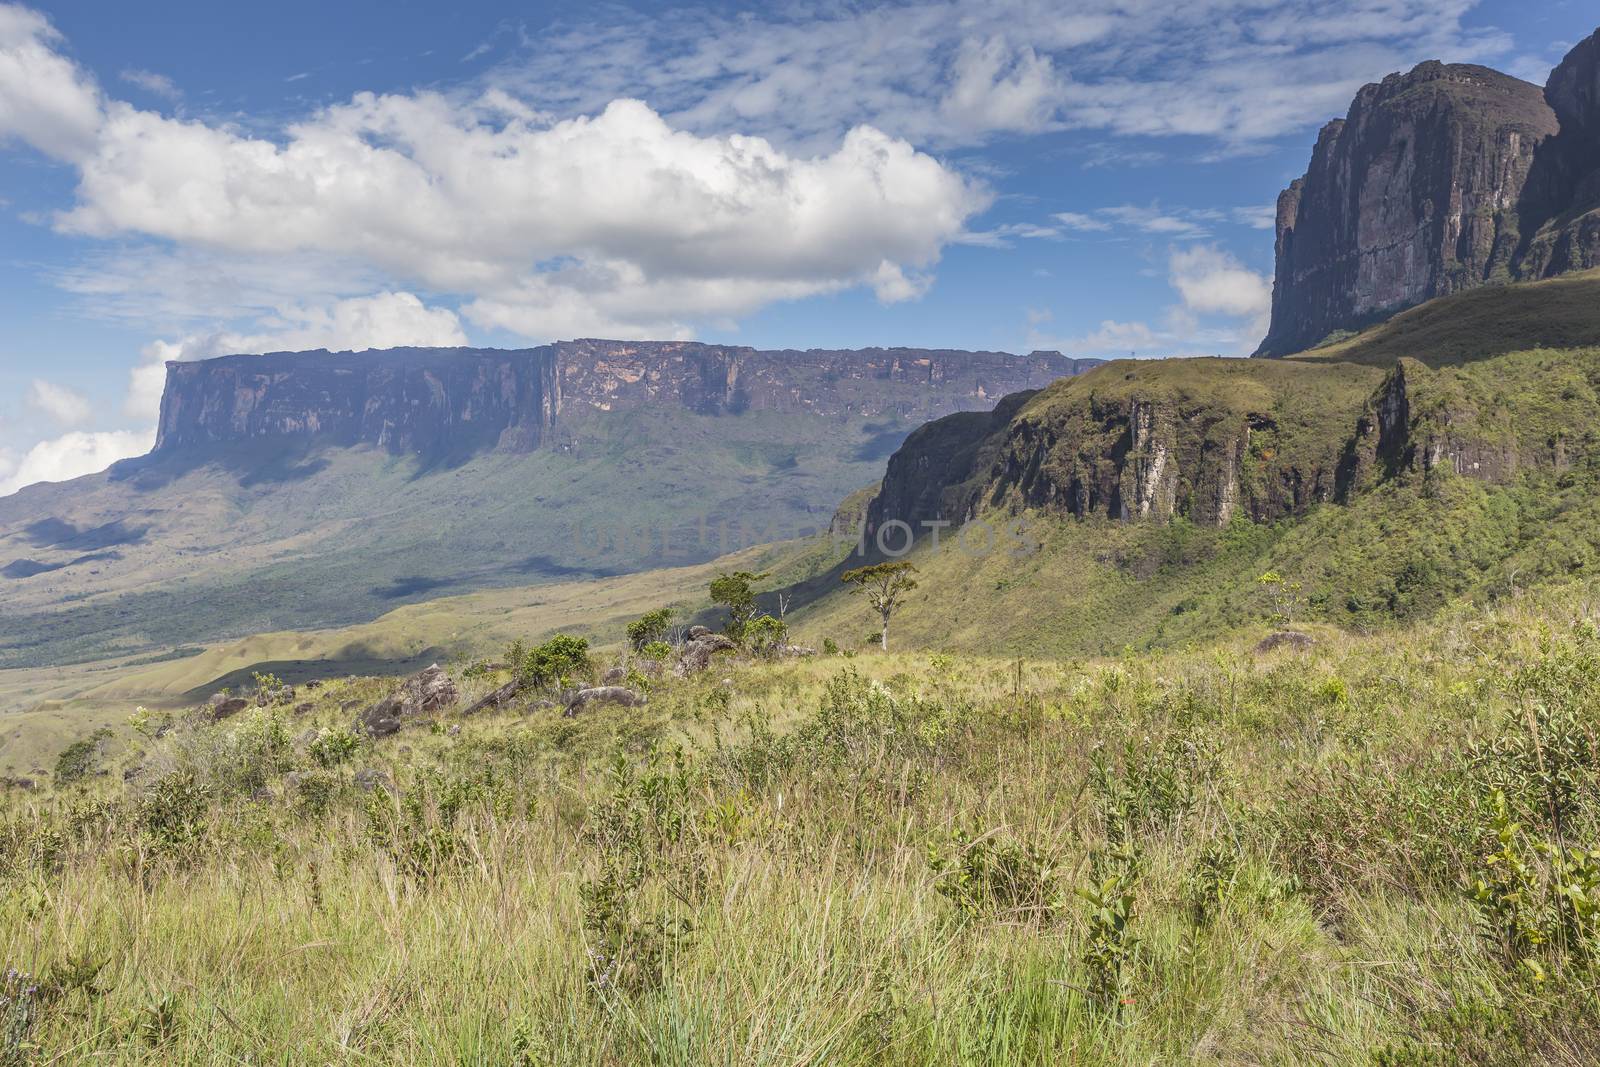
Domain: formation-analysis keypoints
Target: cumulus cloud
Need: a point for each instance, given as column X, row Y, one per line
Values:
column 1211, row 281
column 58, row 402
column 45, row 100
column 74, row 455
column 1222, row 309
column 608, row 212
column 384, row 320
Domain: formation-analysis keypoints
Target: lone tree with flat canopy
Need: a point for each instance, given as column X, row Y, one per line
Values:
column 886, row 585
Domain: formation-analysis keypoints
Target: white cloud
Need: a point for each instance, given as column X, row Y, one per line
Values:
column 1222, row 310
column 57, row 401
column 45, row 100
column 594, row 219
column 74, row 455
column 998, row 88
column 383, row 320
column 1074, row 220
column 151, row 82
column 955, row 72
column 1211, row 281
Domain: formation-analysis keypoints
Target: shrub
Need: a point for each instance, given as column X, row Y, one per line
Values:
column 554, row 662
column 766, row 635
column 333, row 747
column 650, row 628
column 987, row 875
column 78, row 759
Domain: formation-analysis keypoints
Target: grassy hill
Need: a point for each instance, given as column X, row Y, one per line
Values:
column 1211, row 856
column 1557, row 313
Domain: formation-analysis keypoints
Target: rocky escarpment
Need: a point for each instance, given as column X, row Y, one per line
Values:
column 431, row 401
column 1446, row 178
column 1215, row 440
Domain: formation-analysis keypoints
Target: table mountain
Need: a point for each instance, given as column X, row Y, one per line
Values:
column 296, row 490
column 1447, row 178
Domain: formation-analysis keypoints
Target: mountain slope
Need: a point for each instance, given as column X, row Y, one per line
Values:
column 1140, row 502
column 298, row 491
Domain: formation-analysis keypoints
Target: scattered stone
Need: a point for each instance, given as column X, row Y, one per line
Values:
column 697, row 632
column 604, row 694
column 227, row 707
column 264, row 795
column 614, row 675
column 307, row 737
column 368, row 778
column 315, row 683
column 495, row 699
column 24, row 784
column 1286, row 638
column 350, row 705
column 303, row 709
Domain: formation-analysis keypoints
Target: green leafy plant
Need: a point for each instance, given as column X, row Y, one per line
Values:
column 736, row 593
column 555, row 662
column 650, row 628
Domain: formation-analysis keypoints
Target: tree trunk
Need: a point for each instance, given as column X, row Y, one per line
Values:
column 884, row 640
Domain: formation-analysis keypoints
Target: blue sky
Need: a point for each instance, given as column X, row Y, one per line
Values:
column 180, row 180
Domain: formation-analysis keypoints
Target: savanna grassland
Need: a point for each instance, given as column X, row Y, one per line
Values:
column 1375, row 851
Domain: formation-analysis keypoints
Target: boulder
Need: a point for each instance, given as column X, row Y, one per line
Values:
column 1286, row 639
column 697, row 632
column 604, row 694
column 498, row 698
column 614, row 675
column 424, row 692
column 696, row 653
column 227, row 707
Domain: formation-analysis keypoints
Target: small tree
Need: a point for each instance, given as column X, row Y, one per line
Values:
column 736, row 592
column 886, row 585
column 1285, row 595
column 765, row 635
column 650, row 628
column 555, row 661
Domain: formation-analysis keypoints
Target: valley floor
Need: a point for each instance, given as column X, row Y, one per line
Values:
column 1372, row 852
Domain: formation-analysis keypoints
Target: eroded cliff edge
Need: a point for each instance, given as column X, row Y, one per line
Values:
column 1446, row 178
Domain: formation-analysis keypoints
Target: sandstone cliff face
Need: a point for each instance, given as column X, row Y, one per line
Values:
column 1417, row 193
column 1443, row 179
column 1209, row 441
column 457, row 401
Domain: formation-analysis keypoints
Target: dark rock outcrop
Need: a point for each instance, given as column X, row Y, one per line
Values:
column 603, row 694
column 1291, row 639
column 423, row 693
column 1447, row 178
column 1413, row 195
column 452, row 402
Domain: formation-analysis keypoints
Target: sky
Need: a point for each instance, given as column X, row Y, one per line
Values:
column 183, row 179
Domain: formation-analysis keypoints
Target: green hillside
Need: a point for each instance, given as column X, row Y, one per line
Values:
column 163, row 553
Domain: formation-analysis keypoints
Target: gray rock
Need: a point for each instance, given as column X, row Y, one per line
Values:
column 369, row 778
column 427, row 691
column 696, row 654
column 604, row 694
column 227, row 707
column 1286, row 639
column 614, row 675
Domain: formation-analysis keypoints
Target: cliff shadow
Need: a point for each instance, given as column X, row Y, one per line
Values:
column 358, row 659
column 254, row 463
